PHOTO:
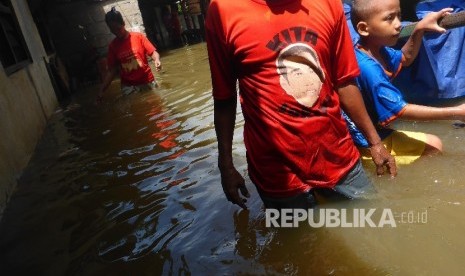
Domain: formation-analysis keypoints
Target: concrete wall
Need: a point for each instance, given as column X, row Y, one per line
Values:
column 27, row 99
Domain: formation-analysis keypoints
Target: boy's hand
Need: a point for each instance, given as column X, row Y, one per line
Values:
column 381, row 158
column 429, row 23
column 158, row 65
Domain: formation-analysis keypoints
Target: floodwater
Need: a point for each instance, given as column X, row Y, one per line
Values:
column 131, row 187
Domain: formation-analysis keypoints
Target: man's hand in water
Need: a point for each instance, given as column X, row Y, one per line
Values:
column 233, row 182
column 382, row 158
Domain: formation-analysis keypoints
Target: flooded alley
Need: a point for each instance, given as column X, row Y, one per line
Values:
column 131, row 187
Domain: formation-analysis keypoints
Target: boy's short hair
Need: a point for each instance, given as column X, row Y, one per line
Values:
column 361, row 11
column 114, row 16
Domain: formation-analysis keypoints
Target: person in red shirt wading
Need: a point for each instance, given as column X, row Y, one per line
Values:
column 296, row 68
column 127, row 53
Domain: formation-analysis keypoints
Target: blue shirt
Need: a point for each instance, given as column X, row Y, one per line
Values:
column 383, row 101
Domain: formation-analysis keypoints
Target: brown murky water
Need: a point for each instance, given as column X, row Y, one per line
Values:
column 131, row 188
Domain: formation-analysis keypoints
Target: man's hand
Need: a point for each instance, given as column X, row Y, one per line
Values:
column 381, row 158
column 232, row 181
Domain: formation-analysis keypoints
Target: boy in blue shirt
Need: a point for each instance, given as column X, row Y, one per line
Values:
column 378, row 24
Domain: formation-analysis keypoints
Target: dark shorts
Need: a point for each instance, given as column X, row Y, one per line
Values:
column 355, row 185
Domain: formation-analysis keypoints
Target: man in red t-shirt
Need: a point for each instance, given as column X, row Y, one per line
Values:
column 128, row 53
column 295, row 65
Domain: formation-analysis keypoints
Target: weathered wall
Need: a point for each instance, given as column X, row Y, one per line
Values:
column 27, row 99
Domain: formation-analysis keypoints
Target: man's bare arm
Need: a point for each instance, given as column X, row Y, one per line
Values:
column 231, row 179
column 353, row 105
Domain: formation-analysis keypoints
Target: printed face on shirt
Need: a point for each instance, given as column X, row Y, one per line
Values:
column 300, row 73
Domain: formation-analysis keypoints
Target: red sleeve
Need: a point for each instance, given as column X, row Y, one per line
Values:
column 220, row 58
column 345, row 63
column 148, row 46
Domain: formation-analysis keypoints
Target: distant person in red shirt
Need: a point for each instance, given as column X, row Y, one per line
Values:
column 127, row 53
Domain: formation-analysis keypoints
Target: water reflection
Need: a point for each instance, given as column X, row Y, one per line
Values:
column 131, row 187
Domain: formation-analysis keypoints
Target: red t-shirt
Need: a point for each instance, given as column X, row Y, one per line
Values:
column 288, row 57
column 130, row 54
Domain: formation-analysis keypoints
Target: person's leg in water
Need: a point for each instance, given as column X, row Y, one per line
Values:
column 304, row 200
column 356, row 184
column 128, row 89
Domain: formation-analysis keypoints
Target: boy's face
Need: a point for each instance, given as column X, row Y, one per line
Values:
column 117, row 29
column 384, row 24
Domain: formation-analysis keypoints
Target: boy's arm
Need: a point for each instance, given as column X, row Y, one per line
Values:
column 109, row 76
column 156, row 59
column 428, row 23
column 425, row 113
column 352, row 103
